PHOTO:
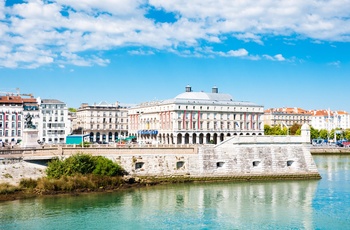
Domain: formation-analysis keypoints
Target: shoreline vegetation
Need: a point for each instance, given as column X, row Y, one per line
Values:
column 79, row 173
column 73, row 185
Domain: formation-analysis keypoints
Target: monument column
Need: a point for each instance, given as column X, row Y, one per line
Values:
column 30, row 134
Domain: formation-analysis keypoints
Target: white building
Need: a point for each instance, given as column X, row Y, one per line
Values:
column 13, row 110
column 54, row 125
column 195, row 118
column 103, row 122
column 327, row 119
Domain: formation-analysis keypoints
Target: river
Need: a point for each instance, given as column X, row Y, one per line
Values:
column 320, row 204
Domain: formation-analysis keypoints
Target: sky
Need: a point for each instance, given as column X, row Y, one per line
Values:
column 275, row 53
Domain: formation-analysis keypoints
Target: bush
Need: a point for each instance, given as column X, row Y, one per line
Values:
column 77, row 183
column 6, row 188
column 28, row 183
column 83, row 164
column 106, row 167
column 55, row 169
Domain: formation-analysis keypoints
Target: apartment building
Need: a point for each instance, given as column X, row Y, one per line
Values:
column 54, row 124
column 286, row 116
column 13, row 110
column 103, row 122
column 328, row 119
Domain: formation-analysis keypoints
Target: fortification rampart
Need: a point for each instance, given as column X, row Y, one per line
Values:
column 240, row 157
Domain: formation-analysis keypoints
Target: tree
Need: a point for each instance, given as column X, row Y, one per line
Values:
column 323, row 133
column 267, row 130
column 72, row 110
column 314, row 133
column 294, row 129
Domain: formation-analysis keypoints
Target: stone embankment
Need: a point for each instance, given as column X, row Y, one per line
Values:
column 327, row 150
column 13, row 171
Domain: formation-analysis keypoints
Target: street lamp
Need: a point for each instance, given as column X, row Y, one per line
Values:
column 82, row 137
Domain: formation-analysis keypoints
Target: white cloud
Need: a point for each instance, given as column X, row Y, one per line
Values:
column 2, row 9
column 87, row 26
column 335, row 63
column 238, row 53
column 277, row 57
column 141, row 52
column 86, row 61
column 247, row 37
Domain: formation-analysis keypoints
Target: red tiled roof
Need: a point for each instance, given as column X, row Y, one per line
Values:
column 12, row 99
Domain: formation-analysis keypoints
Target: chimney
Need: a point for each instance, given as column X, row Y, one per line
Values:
column 215, row 90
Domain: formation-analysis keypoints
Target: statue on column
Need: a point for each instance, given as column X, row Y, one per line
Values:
column 28, row 122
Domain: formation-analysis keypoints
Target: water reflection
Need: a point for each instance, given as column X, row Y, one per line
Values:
column 213, row 205
column 317, row 204
column 334, row 166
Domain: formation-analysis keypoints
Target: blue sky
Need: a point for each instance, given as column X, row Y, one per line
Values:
column 274, row 53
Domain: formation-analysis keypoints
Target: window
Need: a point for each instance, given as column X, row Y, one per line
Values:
column 139, row 165
column 256, row 163
column 180, row 164
column 220, row 164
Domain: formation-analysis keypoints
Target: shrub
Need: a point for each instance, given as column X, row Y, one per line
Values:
column 6, row 188
column 28, row 183
column 76, row 183
column 55, row 169
column 83, row 164
column 106, row 167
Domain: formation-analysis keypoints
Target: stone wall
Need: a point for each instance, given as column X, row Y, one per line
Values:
column 244, row 156
column 240, row 157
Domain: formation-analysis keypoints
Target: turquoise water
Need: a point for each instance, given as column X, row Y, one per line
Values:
column 323, row 204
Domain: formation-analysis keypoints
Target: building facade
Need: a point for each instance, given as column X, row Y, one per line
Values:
column 286, row 116
column 54, row 125
column 103, row 122
column 13, row 111
column 195, row 118
column 328, row 119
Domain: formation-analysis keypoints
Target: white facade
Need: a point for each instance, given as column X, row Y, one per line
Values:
column 195, row 118
column 103, row 122
column 327, row 119
column 54, row 125
column 13, row 110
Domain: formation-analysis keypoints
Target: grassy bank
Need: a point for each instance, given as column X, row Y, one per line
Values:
column 68, row 185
